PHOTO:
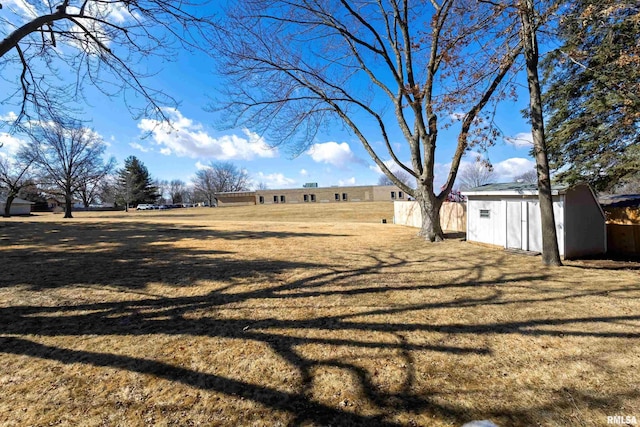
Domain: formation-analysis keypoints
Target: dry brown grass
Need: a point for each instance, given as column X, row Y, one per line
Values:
column 213, row 317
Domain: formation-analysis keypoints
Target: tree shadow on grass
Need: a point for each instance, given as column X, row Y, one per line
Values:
column 284, row 336
column 128, row 255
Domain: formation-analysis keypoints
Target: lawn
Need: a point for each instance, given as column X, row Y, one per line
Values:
column 303, row 315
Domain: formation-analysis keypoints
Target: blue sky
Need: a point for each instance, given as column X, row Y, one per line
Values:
column 334, row 158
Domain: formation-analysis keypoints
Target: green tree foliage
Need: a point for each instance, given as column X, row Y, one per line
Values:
column 591, row 100
column 135, row 185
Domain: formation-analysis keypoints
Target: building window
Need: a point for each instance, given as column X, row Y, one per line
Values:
column 282, row 199
column 306, row 198
column 313, row 197
column 344, row 197
column 393, row 195
column 484, row 213
column 337, row 196
column 262, row 200
column 275, row 199
column 400, row 195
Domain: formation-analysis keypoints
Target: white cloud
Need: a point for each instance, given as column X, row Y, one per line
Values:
column 304, row 172
column 25, row 8
column 202, row 166
column 457, row 116
column 10, row 144
column 274, row 180
column 139, row 147
column 520, row 140
column 391, row 164
column 504, row 171
column 350, row 181
column 186, row 138
column 508, row 169
column 339, row 155
column 9, row 117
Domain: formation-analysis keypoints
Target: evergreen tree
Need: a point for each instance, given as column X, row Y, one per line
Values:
column 592, row 101
column 135, row 185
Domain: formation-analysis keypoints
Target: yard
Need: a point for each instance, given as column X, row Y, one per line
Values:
column 303, row 315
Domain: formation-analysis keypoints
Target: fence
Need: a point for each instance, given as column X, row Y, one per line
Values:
column 623, row 230
column 453, row 216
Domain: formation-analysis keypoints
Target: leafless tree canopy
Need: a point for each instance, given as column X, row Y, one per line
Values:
column 14, row 174
column 530, row 177
column 66, row 156
column 381, row 68
column 476, row 174
column 220, row 177
column 177, row 191
column 51, row 49
column 402, row 176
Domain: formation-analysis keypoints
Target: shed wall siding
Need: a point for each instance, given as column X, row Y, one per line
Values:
column 489, row 230
column 527, row 235
column 585, row 224
column 16, row 209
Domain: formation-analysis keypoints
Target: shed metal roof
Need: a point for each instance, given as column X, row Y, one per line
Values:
column 512, row 189
column 620, row 200
column 16, row 201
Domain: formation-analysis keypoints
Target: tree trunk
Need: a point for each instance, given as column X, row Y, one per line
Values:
column 7, row 206
column 67, row 207
column 430, row 209
column 550, row 252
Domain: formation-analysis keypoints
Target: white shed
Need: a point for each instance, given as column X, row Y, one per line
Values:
column 508, row 215
column 18, row 206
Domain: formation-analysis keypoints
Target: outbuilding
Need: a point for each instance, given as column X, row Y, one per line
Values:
column 18, row 206
column 508, row 215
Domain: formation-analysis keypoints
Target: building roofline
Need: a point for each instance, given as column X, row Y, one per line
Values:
column 514, row 189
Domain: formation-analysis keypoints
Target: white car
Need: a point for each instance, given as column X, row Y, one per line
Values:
column 144, row 207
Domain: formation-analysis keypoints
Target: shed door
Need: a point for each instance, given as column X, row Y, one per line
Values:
column 514, row 225
column 534, row 227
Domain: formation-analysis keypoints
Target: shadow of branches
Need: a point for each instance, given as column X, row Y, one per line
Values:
column 347, row 306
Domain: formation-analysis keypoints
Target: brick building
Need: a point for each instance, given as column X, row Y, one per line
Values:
column 360, row 193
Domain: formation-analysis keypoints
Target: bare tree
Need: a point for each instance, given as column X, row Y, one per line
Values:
column 90, row 185
column 108, row 190
column 530, row 19
column 220, row 177
column 475, row 174
column 56, row 47
column 66, row 155
column 401, row 175
column 530, row 177
column 204, row 185
column 379, row 68
column 164, row 188
column 177, row 190
column 14, row 175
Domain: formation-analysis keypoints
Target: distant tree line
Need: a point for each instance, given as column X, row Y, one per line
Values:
column 64, row 160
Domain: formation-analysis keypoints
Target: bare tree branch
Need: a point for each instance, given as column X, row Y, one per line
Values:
column 102, row 43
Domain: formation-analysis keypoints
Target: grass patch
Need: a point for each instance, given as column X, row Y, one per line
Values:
column 302, row 315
